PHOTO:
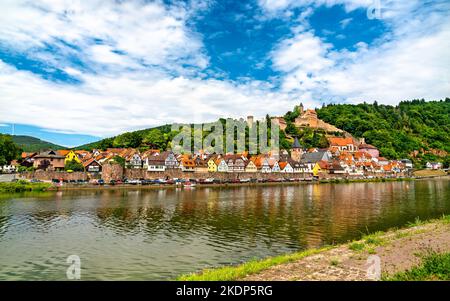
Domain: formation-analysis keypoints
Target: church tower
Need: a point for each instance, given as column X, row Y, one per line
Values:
column 301, row 109
column 296, row 151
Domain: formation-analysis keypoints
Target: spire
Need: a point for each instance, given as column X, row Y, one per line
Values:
column 296, row 143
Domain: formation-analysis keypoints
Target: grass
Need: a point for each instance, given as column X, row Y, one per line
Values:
column 230, row 273
column 23, row 186
column 433, row 267
column 445, row 219
column 417, row 222
column 374, row 238
column 357, row 246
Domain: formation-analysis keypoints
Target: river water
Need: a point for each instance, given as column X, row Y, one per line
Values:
column 159, row 234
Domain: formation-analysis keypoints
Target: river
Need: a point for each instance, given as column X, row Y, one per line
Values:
column 159, row 234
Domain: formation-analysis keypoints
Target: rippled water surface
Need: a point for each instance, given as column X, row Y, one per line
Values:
column 159, row 234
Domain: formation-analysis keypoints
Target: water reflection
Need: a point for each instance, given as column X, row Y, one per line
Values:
column 157, row 234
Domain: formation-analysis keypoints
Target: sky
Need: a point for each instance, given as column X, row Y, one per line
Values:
column 72, row 72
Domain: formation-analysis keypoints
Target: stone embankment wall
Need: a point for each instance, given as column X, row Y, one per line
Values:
column 112, row 172
column 116, row 172
column 50, row 175
column 143, row 174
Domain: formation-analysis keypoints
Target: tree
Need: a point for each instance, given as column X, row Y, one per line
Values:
column 119, row 160
column 129, row 139
column 74, row 166
column 8, row 149
column 155, row 138
column 105, row 143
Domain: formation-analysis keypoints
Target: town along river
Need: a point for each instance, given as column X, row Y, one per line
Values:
column 159, row 234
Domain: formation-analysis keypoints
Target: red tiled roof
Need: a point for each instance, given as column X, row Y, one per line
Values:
column 339, row 141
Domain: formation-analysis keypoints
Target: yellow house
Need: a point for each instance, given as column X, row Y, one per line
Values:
column 70, row 155
column 212, row 167
column 320, row 167
column 251, row 167
column 316, row 170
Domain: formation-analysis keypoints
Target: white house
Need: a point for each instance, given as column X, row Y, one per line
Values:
column 434, row 165
column 286, row 167
column 265, row 167
column 221, row 165
column 8, row 168
column 276, row 167
column 155, row 163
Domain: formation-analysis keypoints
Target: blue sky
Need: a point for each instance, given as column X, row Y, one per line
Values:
column 73, row 72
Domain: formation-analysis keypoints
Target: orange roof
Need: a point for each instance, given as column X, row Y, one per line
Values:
column 187, row 162
column 87, row 162
column 24, row 155
column 81, row 152
column 63, row 152
column 257, row 160
column 339, row 141
column 282, row 165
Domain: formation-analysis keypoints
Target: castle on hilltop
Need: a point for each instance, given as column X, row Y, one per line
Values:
column 308, row 118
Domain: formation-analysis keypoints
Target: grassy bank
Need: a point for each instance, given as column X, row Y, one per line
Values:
column 254, row 266
column 432, row 267
column 339, row 181
column 23, row 186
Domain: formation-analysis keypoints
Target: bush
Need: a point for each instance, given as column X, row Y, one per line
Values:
column 22, row 186
column 73, row 166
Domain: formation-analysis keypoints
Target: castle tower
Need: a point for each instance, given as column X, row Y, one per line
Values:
column 250, row 121
column 296, row 152
column 301, row 109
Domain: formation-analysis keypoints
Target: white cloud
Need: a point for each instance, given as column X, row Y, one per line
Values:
column 273, row 7
column 148, row 32
column 107, row 105
column 409, row 62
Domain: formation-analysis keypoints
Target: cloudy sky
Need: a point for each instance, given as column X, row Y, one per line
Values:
column 72, row 71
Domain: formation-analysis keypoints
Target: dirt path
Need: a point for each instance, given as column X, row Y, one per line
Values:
column 398, row 251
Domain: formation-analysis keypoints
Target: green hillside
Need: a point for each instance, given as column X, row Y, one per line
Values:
column 32, row 144
column 397, row 130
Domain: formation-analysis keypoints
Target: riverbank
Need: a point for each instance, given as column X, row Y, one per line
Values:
column 428, row 173
column 417, row 252
column 24, row 186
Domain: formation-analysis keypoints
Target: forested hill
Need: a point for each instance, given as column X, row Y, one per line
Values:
column 153, row 137
column 396, row 130
column 32, row 144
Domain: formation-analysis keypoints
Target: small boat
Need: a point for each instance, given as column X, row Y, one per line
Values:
column 189, row 184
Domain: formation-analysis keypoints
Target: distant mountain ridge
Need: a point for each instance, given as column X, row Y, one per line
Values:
column 33, row 144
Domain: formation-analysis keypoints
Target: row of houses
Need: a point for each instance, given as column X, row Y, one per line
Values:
column 344, row 157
